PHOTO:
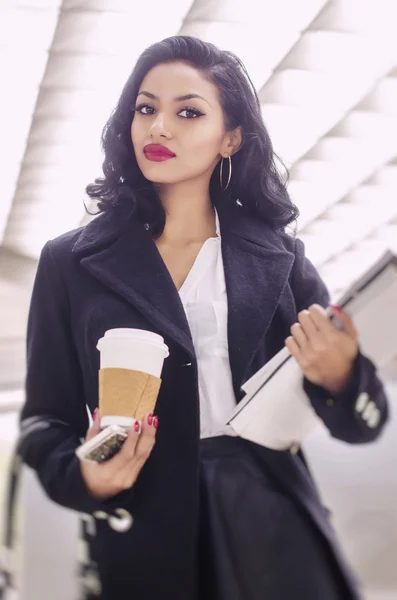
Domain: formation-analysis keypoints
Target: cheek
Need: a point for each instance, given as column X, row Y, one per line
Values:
column 134, row 131
column 207, row 136
column 139, row 131
column 137, row 138
column 203, row 145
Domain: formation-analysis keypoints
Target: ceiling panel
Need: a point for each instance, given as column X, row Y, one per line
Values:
column 325, row 72
column 35, row 24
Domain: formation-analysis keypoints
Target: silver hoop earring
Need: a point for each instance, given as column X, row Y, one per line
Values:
column 221, row 173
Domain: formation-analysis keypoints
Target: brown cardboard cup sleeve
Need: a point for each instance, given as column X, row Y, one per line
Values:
column 127, row 393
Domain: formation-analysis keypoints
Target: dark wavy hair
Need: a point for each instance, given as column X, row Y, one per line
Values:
column 256, row 182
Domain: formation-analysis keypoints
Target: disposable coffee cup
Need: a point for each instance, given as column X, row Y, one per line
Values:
column 131, row 363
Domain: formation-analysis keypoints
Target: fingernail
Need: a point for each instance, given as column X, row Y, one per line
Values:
column 336, row 307
column 95, row 415
column 155, row 422
column 150, row 419
column 137, row 426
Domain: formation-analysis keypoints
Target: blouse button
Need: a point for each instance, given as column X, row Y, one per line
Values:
column 100, row 515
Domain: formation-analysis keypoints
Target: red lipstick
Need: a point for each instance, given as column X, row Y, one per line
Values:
column 157, row 152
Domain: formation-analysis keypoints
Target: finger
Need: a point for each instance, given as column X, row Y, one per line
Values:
column 308, row 325
column 297, row 353
column 131, row 468
column 321, row 320
column 345, row 320
column 146, row 440
column 293, row 347
column 95, row 427
column 127, row 451
column 148, row 425
column 299, row 336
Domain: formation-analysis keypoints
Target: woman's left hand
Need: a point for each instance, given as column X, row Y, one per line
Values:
column 324, row 353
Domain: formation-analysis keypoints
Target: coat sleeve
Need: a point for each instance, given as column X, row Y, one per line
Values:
column 359, row 413
column 54, row 417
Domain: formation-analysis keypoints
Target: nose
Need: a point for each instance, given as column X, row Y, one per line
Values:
column 159, row 128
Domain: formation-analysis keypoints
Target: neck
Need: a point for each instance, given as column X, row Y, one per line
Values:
column 190, row 216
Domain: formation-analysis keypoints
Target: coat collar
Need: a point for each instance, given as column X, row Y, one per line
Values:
column 122, row 256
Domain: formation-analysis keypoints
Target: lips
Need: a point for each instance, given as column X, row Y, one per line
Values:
column 157, row 152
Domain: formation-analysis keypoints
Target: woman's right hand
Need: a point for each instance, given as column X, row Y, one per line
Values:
column 119, row 473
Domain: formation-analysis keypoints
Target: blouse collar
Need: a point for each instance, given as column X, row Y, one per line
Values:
column 218, row 228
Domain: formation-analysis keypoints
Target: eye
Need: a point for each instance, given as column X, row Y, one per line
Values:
column 144, row 109
column 190, row 113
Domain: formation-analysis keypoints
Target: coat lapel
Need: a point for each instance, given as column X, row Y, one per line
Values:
column 257, row 266
column 122, row 256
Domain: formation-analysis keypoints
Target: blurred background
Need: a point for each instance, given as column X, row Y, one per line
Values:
column 326, row 74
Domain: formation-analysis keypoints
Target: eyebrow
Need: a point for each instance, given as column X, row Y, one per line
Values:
column 177, row 99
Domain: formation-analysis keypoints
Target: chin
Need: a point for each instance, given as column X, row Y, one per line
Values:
column 155, row 176
column 163, row 181
column 161, row 173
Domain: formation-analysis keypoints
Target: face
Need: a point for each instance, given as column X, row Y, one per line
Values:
column 178, row 130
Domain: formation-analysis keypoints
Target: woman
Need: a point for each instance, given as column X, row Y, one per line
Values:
column 191, row 244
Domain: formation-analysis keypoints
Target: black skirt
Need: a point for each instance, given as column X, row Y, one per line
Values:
column 255, row 542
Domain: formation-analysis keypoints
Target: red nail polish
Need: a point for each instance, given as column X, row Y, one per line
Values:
column 150, row 419
column 155, row 422
column 137, row 426
column 336, row 307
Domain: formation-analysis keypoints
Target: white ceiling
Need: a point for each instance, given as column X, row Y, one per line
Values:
column 326, row 74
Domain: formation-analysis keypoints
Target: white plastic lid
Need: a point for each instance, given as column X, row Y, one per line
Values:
column 140, row 334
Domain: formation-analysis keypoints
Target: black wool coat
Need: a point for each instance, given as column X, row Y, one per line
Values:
column 110, row 274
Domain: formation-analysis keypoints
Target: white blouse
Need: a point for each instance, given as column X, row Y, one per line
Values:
column 204, row 298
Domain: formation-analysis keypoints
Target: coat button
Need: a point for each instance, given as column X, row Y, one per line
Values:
column 101, row 515
column 90, row 525
column 368, row 411
column 294, row 448
column 122, row 523
column 90, row 583
column 330, row 402
column 362, row 402
column 373, row 420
